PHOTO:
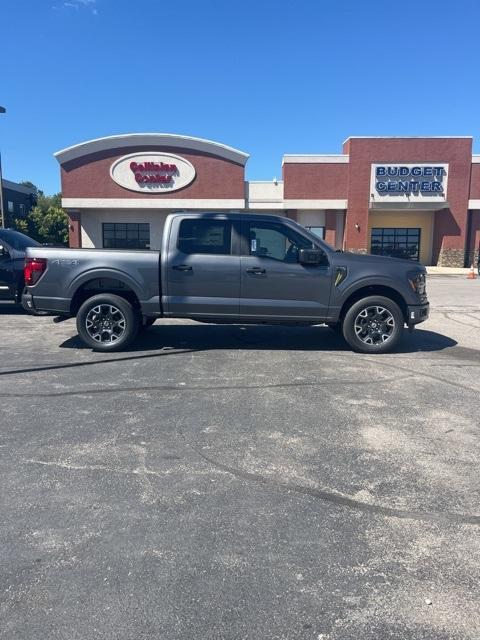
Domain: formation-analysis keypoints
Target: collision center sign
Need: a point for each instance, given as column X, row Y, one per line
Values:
column 409, row 181
column 152, row 172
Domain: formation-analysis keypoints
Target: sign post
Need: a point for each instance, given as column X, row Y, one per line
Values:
column 2, row 210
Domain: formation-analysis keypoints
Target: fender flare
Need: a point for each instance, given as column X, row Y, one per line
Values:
column 372, row 281
column 94, row 274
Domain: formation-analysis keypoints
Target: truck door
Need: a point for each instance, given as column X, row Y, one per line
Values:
column 273, row 283
column 203, row 268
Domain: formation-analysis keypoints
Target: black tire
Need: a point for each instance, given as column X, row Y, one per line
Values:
column 373, row 325
column 107, row 322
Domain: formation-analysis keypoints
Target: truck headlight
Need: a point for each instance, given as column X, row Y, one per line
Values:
column 418, row 282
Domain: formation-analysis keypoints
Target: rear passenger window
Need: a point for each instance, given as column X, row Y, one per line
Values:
column 205, row 236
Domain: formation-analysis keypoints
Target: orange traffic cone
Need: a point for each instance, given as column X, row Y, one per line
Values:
column 471, row 274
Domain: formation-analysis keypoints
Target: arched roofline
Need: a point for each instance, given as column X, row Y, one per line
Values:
column 125, row 141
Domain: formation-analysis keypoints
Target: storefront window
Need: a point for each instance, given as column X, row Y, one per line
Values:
column 318, row 231
column 128, row 235
column 396, row 242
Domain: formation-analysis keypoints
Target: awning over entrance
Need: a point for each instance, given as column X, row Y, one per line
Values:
column 405, row 207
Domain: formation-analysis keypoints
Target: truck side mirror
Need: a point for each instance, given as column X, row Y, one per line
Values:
column 312, row 257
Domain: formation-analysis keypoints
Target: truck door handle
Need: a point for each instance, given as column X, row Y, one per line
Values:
column 256, row 270
column 182, row 267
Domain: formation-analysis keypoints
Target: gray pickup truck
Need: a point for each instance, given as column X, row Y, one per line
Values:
column 228, row 268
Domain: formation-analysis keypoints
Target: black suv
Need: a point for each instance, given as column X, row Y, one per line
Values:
column 12, row 259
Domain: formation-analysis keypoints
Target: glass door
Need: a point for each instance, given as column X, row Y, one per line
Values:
column 396, row 242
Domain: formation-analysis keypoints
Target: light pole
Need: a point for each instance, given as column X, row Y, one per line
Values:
column 2, row 216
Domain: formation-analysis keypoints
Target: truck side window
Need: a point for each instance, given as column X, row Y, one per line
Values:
column 270, row 240
column 205, row 236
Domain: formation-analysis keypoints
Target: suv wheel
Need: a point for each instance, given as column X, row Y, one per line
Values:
column 373, row 325
column 107, row 322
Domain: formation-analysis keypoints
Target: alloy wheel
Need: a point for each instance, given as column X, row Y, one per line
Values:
column 105, row 323
column 374, row 325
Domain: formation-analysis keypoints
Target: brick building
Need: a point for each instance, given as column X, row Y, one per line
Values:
column 417, row 198
column 18, row 200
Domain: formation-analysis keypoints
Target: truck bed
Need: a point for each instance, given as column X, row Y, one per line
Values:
column 72, row 270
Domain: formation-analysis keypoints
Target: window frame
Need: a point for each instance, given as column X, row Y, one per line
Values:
column 316, row 226
column 245, row 242
column 393, row 231
column 233, row 236
column 127, row 224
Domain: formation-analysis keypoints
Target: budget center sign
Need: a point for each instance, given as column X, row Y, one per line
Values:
column 407, row 182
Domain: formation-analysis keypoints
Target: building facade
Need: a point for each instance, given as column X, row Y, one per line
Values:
column 18, row 200
column 417, row 198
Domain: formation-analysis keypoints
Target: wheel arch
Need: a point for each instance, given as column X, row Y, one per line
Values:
column 104, row 282
column 375, row 290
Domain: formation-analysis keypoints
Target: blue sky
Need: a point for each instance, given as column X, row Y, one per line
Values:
column 268, row 77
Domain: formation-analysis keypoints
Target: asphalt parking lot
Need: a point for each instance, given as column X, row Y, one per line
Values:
column 229, row 482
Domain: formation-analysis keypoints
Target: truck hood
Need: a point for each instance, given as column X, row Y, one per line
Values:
column 348, row 258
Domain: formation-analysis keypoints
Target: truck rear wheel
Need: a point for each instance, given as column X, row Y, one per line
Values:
column 373, row 325
column 107, row 322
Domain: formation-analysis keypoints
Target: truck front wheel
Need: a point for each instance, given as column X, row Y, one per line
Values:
column 107, row 322
column 373, row 325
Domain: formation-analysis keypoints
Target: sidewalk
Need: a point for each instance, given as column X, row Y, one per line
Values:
column 450, row 271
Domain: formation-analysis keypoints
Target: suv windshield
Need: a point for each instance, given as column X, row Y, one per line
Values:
column 17, row 240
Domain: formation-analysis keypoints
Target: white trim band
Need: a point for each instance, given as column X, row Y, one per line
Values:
column 150, row 203
column 293, row 158
column 474, row 204
column 315, row 204
column 151, row 140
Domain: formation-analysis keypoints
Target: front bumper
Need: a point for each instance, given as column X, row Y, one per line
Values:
column 417, row 313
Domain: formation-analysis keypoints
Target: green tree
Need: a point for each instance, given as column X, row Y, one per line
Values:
column 20, row 224
column 27, row 183
column 47, row 221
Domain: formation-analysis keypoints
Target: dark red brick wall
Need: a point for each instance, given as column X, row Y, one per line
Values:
column 450, row 224
column 474, row 245
column 475, row 181
column 74, row 230
column 89, row 176
column 330, row 227
column 314, row 181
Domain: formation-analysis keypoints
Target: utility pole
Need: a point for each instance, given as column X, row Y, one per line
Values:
column 2, row 210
